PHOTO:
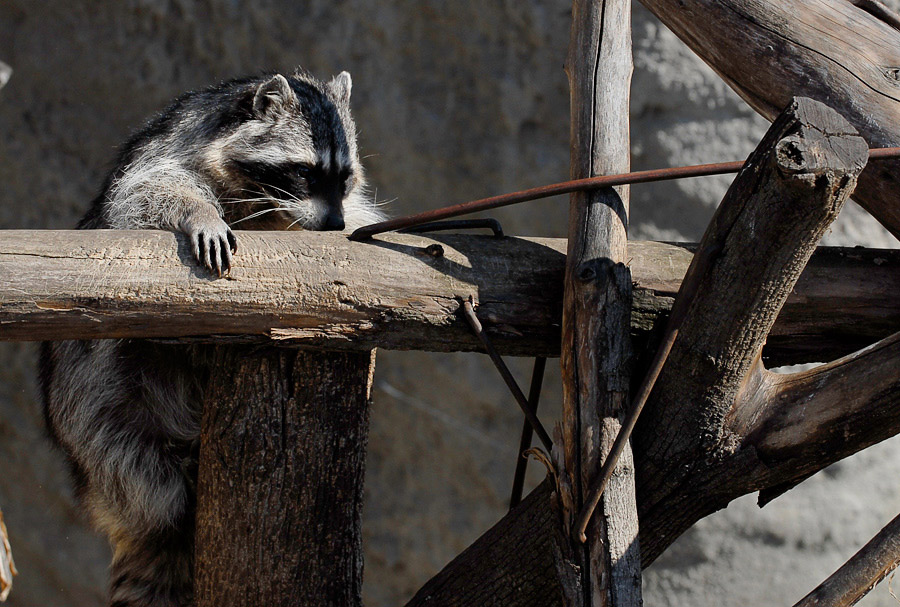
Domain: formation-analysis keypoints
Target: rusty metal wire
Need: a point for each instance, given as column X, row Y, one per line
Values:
column 567, row 187
column 534, row 397
column 530, row 415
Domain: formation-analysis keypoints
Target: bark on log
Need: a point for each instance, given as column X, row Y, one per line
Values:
column 829, row 50
column 318, row 289
column 596, row 345
column 279, row 494
column 777, row 429
column 858, row 576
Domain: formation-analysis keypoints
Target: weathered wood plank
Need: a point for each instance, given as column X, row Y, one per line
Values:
column 319, row 289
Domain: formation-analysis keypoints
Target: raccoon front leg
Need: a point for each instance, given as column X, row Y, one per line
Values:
column 161, row 193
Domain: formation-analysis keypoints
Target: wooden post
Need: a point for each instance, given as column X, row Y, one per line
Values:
column 282, row 458
column 5, row 73
column 596, row 351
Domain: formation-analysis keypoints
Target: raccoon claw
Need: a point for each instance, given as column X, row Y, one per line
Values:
column 214, row 248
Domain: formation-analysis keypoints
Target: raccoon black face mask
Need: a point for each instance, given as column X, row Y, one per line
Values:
column 259, row 153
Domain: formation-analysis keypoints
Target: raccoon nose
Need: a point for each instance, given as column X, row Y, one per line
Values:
column 334, row 221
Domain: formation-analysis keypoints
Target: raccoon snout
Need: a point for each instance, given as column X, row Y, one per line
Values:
column 334, row 221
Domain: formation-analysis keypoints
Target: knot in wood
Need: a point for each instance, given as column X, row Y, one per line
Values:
column 594, row 270
column 433, row 250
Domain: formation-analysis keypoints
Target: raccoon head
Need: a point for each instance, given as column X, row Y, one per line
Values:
column 293, row 163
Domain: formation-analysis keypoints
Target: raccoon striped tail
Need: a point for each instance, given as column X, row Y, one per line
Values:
column 153, row 570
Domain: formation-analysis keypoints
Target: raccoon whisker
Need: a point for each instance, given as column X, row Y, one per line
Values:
column 255, row 215
column 254, row 191
column 256, row 200
column 285, row 192
column 295, row 222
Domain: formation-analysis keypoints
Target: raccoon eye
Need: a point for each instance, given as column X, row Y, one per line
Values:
column 347, row 181
column 306, row 172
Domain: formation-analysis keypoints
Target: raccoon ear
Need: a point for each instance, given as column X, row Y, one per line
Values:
column 340, row 85
column 273, row 96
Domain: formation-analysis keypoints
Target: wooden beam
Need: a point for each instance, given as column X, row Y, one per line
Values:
column 844, row 54
column 5, row 74
column 319, row 289
column 280, row 480
column 596, row 353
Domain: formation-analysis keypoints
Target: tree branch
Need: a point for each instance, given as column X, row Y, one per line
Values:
column 755, row 248
column 5, row 74
column 861, row 573
column 801, row 422
column 830, row 50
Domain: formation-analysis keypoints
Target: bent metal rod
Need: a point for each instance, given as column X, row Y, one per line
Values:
column 566, row 187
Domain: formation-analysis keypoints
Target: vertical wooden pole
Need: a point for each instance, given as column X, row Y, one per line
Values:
column 596, row 350
column 282, row 458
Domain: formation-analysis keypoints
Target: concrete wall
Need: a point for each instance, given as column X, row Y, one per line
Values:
column 455, row 100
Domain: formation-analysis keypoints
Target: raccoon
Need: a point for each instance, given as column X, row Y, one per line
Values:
column 257, row 153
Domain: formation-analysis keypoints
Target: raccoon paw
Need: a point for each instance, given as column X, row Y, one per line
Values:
column 213, row 244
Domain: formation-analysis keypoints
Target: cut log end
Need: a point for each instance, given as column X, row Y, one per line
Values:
column 822, row 141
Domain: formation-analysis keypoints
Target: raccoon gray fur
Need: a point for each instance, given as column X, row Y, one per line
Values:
column 260, row 153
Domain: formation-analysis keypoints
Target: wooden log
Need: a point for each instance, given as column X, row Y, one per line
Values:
column 758, row 242
column 280, row 478
column 845, row 54
column 318, row 289
column 858, row 576
column 596, row 345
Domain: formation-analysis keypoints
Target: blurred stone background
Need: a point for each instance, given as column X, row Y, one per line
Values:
column 455, row 100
